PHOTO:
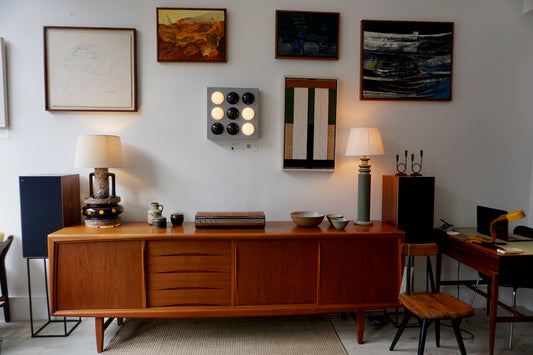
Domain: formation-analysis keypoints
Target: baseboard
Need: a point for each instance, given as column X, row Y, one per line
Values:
column 20, row 308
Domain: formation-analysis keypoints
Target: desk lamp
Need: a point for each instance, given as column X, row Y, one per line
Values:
column 364, row 142
column 509, row 217
column 100, row 152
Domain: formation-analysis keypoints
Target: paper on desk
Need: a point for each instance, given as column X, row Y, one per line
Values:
column 509, row 251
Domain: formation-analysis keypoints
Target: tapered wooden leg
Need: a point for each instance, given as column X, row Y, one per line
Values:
column 99, row 328
column 120, row 320
column 493, row 311
column 360, row 325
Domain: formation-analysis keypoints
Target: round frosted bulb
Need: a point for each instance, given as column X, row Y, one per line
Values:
column 217, row 97
column 248, row 129
column 248, row 113
column 217, row 113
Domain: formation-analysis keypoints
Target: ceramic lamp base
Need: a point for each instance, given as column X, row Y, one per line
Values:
column 363, row 223
column 103, row 223
column 102, row 213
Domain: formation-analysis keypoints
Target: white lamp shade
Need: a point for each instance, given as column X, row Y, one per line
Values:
column 364, row 141
column 98, row 151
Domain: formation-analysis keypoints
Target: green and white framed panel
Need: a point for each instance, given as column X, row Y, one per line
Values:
column 310, row 123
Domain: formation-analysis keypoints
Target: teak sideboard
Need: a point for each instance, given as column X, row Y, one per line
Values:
column 138, row 271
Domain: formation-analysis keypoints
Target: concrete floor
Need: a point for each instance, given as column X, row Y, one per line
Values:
column 16, row 338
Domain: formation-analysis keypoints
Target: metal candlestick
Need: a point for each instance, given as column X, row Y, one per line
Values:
column 401, row 167
column 416, row 168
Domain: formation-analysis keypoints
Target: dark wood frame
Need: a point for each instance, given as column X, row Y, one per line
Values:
column 223, row 46
column 49, row 106
column 404, row 27
column 335, row 15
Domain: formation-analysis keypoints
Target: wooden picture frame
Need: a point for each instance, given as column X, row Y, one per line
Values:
column 191, row 35
column 90, row 69
column 3, row 86
column 406, row 60
column 320, row 39
column 310, row 123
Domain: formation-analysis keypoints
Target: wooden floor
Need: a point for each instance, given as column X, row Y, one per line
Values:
column 16, row 338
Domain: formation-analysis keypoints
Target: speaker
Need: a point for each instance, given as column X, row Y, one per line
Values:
column 47, row 204
column 408, row 204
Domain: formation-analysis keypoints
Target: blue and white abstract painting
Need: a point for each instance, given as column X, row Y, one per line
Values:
column 406, row 60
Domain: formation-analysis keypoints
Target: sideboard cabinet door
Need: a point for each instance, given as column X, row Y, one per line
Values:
column 276, row 272
column 359, row 270
column 99, row 275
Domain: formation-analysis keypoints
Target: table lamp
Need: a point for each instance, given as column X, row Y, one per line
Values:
column 100, row 152
column 364, row 142
column 509, row 217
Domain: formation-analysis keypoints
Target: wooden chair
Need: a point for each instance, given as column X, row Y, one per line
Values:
column 4, row 299
column 430, row 305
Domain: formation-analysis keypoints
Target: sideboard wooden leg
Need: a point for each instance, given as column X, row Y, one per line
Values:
column 99, row 327
column 120, row 320
column 360, row 325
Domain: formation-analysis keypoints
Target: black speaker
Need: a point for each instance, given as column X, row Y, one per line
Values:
column 47, row 204
column 408, row 204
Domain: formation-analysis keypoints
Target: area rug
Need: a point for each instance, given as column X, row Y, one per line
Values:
column 305, row 335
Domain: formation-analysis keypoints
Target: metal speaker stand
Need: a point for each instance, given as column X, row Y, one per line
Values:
column 65, row 321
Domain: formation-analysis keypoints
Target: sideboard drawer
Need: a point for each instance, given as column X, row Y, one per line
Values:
column 192, row 246
column 188, row 272
column 170, row 280
column 189, row 297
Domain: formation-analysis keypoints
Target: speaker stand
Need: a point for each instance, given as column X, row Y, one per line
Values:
column 65, row 321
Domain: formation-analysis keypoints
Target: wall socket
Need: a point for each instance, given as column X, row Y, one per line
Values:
column 243, row 147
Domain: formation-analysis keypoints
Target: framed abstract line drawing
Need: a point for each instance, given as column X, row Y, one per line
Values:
column 307, row 35
column 310, row 123
column 403, row 60
column 3, row 86
column 191, row 35
column 90, row 69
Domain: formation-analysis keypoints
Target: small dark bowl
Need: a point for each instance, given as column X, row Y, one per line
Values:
column 160, row 222
column 176, row 219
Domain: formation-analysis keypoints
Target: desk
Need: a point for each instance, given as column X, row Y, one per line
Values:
column 490, row 263
column 138, row 271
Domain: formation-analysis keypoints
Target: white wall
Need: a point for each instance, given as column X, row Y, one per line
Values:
column 478, row 146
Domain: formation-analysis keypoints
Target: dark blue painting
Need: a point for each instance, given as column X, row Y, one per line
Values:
column 307, row 35
column 406, row 60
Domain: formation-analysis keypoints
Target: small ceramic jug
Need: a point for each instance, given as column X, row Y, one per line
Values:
column 154, row 211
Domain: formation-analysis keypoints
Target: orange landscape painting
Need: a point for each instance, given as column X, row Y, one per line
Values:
column 191, row 35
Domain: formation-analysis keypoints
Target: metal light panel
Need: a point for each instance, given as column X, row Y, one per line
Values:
column 232, row 113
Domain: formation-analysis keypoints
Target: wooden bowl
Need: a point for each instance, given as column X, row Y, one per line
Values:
column 307, row 218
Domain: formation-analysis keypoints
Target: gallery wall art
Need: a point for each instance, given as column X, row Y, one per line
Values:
column 310, row 123
column 90, row 69
column 191, row 35
column 403, row 60
column 3, row 85
column 307, row 35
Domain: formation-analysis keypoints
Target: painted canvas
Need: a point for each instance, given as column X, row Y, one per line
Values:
column 406, row 60
column 191, row 35
column 307, row 35
column 310, row 123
